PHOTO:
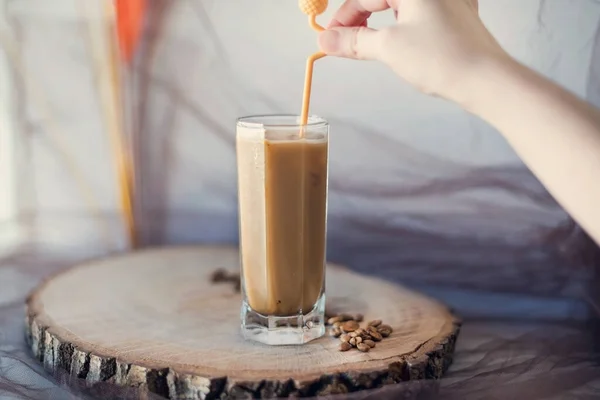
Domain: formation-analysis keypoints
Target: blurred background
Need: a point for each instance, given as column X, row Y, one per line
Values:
column 421, row 192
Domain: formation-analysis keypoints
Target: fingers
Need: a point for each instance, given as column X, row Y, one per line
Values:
column 356, row 12
column 357, row 42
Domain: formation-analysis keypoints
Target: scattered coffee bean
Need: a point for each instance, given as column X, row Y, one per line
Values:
column 371, row 329
column 385, row 330
column 369, row 343
column 375, row 323
column 345, row 317
column 345, row 346
column 347, row 328
column 376, row 336
column 363, row 347
column 335, row 332
column 220, row 275
column 350, row 326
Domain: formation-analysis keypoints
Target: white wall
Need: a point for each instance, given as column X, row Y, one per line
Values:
column 7, row 144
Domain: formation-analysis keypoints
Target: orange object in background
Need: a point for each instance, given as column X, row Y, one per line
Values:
column 130, row 17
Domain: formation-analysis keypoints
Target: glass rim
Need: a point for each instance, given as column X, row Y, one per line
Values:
column 262, row 121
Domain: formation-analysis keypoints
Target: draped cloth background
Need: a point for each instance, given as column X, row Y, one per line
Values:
column 420, row 192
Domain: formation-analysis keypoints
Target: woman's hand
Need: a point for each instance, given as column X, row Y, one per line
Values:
column 442, row 48
column 434, row 44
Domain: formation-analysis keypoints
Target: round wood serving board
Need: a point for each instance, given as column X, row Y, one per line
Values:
column 154, row 320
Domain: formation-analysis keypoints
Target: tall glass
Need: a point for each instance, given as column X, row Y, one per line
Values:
column 282, row 187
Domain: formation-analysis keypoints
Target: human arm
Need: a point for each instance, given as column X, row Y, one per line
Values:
column 555, row 133
column 443, row 48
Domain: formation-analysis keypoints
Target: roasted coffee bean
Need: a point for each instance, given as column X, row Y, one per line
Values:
column 337, row 324
column 333, row 320
column 345, row 317
column 371, row 329
column 375, row 323
column 220, row 275
column 345, row 346
column 345, row 338
column 385, row 330
column 353, row 334
column 350, row 326
column 376, row 336
column 363, row 347
column 353, row 342
column 359, row 317
column 358, row 339
column 335, row 332
column 360, row 331
column 369, row 343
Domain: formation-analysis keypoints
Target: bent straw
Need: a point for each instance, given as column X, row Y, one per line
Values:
column 312, row 8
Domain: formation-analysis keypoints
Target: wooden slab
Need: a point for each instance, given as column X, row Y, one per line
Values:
column 154, row 320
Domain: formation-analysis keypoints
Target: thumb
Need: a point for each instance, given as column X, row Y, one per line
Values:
column 356, row 42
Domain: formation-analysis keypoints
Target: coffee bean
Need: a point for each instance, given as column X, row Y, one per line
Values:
column 345, row 346
column 337, row 324
column 369, row 343
column 345, row 338
column 359, row 317
column 350, row 326
column 371, row 329
column 360, row 331
column 385, row 330
column 353, row 334
column 333, row 320
column 358, row 339
column 375, row 323
column 335, row 332
column 363, row 347
column 219, row 275
column 353, row 342
column 376, row 336
column 345, row 317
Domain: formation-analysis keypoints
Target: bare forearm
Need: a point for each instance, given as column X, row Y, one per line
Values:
column 556, row 134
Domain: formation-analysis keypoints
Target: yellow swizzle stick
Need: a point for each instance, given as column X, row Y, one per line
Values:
column 312, row 8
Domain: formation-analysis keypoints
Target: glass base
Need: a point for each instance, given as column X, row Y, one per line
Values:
column 288, row 330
